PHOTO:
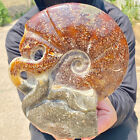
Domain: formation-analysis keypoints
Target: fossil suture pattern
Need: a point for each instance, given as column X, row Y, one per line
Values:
column 72, row 56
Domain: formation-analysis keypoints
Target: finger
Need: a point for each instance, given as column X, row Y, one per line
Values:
column 88, row 138
column 85, row 139
column 63, row 139
column 106, row 115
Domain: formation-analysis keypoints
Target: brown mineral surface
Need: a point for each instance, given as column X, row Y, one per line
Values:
column 13, row 124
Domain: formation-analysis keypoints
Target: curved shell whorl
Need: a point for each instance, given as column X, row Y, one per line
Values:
column 81, row 63
column 96, row 46
column 84, row 59
column 78, row 61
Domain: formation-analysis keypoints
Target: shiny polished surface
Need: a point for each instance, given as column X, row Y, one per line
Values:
column 82, row 58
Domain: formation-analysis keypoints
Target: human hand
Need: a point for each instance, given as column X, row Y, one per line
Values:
column 106, row 115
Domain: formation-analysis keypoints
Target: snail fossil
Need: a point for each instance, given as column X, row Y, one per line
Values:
column 72, row 56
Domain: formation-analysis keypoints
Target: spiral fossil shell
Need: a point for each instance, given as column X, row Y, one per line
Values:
column 82, row 57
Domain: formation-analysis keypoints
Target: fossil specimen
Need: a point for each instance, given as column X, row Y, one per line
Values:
column 72, row 56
